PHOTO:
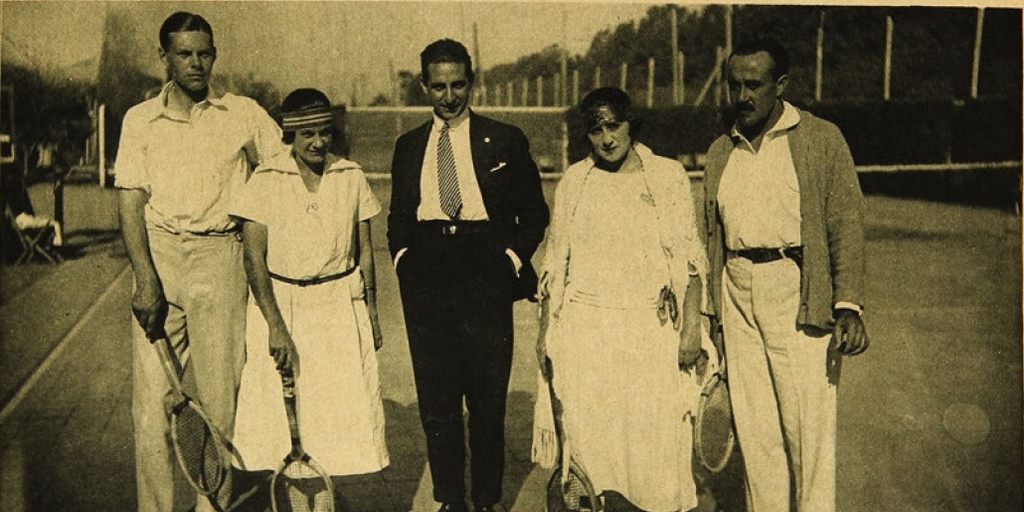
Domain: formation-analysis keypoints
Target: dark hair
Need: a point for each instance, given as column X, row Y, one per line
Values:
column 778, row 53
column 616, row 100
column 445, row 50
column 183, row 22
column 298, row 100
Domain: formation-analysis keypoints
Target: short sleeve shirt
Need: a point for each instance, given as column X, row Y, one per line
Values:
column 309, row 234
column 192, row 167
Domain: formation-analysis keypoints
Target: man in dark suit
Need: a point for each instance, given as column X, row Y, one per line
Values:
column 467, row 213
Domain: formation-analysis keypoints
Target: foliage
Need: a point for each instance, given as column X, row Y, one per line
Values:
column 931, row 50
column 46, row 109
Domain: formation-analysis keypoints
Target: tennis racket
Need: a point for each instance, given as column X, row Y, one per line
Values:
column 713, row 434
column 569, row 488
column 300, row 484
column 198, row 444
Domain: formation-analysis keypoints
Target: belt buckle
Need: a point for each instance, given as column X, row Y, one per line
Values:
column 449, row 229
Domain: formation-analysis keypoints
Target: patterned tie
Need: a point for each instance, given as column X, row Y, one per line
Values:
column 447, row 179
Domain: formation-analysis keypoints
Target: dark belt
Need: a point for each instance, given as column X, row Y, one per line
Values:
column 765, row 255
column 313, row 280
column 454, row 228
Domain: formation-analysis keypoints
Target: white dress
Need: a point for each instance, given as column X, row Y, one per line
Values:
column 340, row 412
column 615, row 364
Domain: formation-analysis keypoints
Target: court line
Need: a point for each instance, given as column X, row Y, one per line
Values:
column 40, row 370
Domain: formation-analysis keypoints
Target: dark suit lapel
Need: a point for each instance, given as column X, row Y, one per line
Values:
column 482, row 145
column 416, row 158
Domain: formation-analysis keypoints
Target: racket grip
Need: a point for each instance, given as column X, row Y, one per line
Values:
column 169, row 363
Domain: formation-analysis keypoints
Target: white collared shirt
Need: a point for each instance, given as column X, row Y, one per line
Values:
column 192, row 165
column 759, row 195
column 430, row 199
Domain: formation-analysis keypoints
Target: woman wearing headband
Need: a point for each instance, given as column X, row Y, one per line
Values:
column 313, row 309
column 621, row 286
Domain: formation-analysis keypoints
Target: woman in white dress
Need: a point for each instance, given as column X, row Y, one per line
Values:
column 313, row 307
column 622, row 281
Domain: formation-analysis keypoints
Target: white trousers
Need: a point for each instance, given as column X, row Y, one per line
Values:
column 204, row 282
column 783, row 403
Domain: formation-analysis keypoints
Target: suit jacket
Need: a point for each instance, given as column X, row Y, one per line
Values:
column 509, row 184
column 830, row 226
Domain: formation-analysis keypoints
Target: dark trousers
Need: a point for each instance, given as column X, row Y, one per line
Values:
column 456, row 294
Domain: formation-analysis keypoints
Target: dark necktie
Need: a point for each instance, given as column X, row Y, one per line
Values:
column 447, row 178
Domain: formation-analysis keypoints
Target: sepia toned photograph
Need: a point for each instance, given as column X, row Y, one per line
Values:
column 493, row 256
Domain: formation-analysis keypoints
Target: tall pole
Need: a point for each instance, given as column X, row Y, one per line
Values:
column 682, row 78
column 819, row 56
column 728, row 30
column 976, row 67
column 480, row 69
column 673, row 20
column 888, row 58
column 563, row 95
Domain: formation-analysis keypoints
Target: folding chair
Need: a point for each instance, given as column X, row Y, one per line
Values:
column 34, row 241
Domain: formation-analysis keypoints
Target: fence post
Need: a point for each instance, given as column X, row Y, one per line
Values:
column 976, row 66
column 622, row 76
column 540, row 90
column 682, row 79
column 819, row 56
column 556, row 86
column 673, row 21
column 650, row 82
column 888, row 58
column 575, row 86
column 102, row 145
column 597, row 77
column 526, row 91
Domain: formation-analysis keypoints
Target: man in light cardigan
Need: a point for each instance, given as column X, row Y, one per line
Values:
column 786, row 251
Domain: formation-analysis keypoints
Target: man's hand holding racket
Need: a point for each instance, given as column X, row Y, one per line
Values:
column 282, row 349
column 150, row 307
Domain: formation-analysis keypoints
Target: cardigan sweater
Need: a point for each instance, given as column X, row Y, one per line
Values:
column 830, row 226
column 668, row 185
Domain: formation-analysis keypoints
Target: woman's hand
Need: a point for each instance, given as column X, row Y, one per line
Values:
column 689, row 344
column 282, row 349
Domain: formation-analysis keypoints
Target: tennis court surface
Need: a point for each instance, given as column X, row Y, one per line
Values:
column 930, row 418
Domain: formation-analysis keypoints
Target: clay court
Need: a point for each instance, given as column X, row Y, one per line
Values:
column 930, row 418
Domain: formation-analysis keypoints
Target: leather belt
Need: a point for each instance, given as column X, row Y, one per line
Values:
column 766, row 255
column 454, row 228
column 313, row 280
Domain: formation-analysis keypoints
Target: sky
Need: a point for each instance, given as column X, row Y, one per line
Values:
column 331, row 45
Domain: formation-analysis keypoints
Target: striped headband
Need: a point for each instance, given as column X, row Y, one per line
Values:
column 310, row 118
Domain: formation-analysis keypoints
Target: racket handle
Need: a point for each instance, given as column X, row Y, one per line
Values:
column 169, row 364
column 288, row 390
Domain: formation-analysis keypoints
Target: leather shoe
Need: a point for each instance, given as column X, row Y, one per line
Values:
column 453, row 507
column 486, row 508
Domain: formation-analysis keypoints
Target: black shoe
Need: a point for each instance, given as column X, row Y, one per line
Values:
column 453, row 507
column 487, row 508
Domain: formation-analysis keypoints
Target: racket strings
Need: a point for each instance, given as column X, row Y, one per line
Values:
column 198, row 450
column 715, row 427
column 301, row 488
column 570, row 495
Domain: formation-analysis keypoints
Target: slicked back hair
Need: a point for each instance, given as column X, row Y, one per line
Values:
column 445, row 50
column 182, row 21
column 778, row 53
